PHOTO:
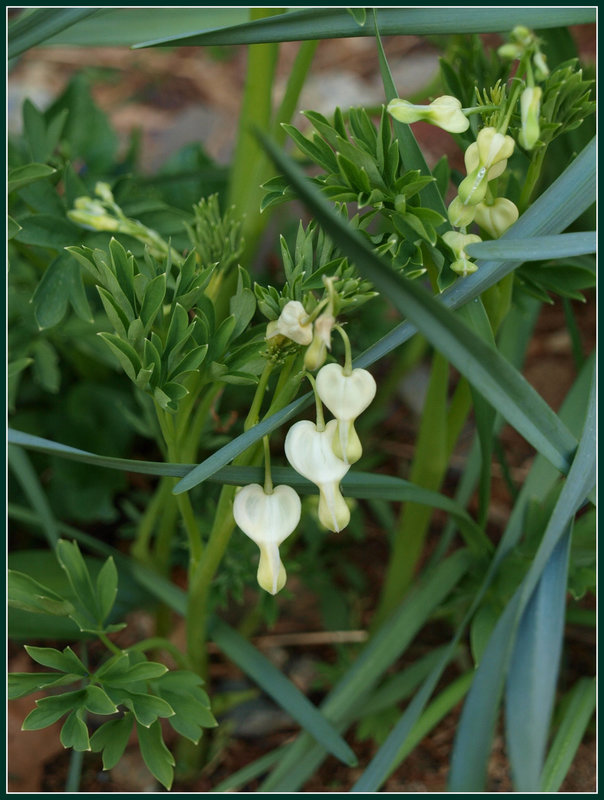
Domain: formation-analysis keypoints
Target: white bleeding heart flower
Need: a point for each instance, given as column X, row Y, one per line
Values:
column 293, row 322
column 268, row 519
column 310, row 452
column 346, row 396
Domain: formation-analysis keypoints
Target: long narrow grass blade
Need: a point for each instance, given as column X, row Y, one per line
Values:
column 538, row 248
column 283, row 691
column 500, row 384
column 475, row 730
column 570, row 733
column 343, row 702
column 334, row 23
column 26, row 475
column 411, row 154
column 565, row 200
column 540, row 479
column 356, row 484
column 125, row 26
column 533, row 673
column 35, row 28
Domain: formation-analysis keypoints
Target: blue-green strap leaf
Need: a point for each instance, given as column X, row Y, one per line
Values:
column 35, row 28
column 537, row 248
column 533, row 673
column 271, row 679
column 334, row 23
column 475, row 730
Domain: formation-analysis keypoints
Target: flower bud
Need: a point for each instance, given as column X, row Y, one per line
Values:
column 457, row 242
column 346, row 396
column 511, row 51
column 103, row 190
column 497, row 217
column 292, row 323
column 472, row 163
column 310, row 452
column 473, row 189
column 445, row 112
column 268, row 519
column 92, row 215
column 541, row 68
column 530, row 103
column 315, row 354
column 523, row 35
column 460, row 215
column 493, row 147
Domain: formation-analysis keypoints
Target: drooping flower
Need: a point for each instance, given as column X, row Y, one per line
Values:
column 293, row 323
column 268, row 519
column 310, row 452
column 346, row 396
column 457, row 242
column 491, row 149
column 496, row 217
column 444, row 112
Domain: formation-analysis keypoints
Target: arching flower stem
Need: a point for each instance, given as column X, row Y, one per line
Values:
column 318, row 403
column 268, row 479
column 347, row 368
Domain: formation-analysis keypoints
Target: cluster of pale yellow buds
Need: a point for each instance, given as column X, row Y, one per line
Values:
column 485, row 160
column 524, row 42
column 321, row 453
column 445, row 112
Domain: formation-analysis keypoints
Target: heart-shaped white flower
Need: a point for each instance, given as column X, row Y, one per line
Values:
column 346, row 396
column 268, row 519
column 310, row 452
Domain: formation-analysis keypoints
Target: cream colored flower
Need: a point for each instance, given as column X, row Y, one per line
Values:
column 457, row 242
column 293, row 323
column 310, row 452
column 444, row 112
column 346, row 396
column 497, row 217
column 268, row 519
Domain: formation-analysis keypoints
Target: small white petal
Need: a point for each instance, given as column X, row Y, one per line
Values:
column 346, row 396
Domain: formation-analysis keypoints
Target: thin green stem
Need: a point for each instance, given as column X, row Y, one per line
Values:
column 109, row 644
column 161, row 643
column 254, row 412
column 250, row 162
column 74, row 774
column 268, row 479
column 183, row 502
column 190, row 447
column 347, row 369
column 318, row 404
column 140, row 548
column 532, row 177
